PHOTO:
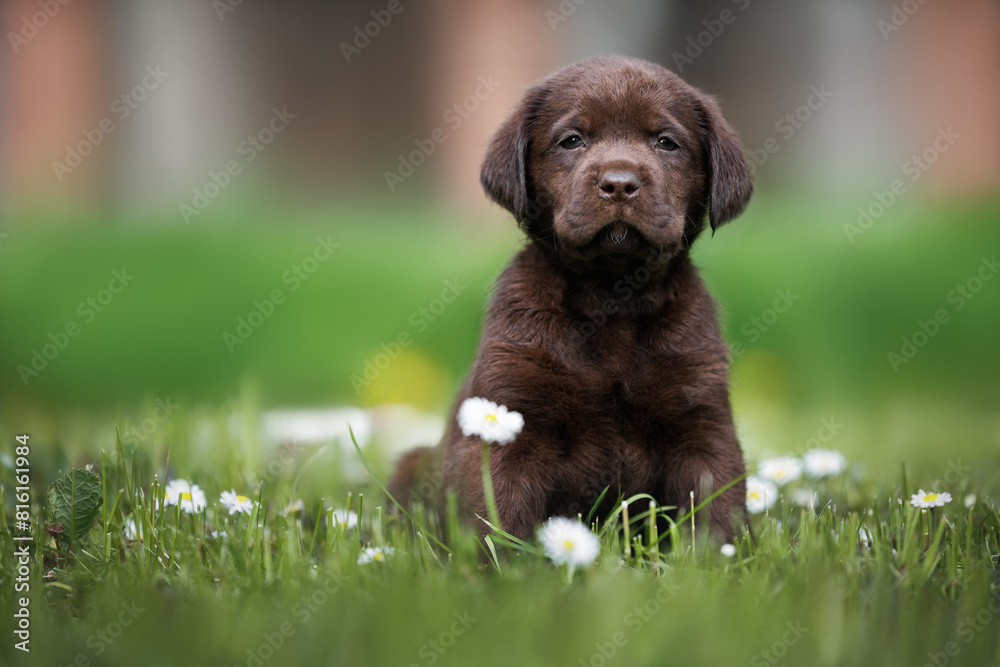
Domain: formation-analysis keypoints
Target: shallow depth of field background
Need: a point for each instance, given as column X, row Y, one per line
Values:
column 868, row 88
column 874, row 131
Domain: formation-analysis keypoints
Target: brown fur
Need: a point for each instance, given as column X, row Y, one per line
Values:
column 600, row 331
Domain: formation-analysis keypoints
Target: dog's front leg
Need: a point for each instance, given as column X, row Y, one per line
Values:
column 521, row 484
column 703, row 470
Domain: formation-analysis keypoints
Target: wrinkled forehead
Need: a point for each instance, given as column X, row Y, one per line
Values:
column 619, row 99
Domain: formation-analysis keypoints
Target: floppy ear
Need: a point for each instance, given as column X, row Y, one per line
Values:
column 730, row 182
column 504, row 171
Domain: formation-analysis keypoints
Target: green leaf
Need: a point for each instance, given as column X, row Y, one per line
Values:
column 74, row 501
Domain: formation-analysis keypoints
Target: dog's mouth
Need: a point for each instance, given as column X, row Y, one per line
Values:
column 619, row 237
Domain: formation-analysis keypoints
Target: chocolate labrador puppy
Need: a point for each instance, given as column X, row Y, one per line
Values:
column 600, row 332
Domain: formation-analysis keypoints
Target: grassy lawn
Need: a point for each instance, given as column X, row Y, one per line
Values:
column 213, row 588
column 277, row 587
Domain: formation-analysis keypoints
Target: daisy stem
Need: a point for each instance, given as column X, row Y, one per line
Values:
column 177, row 529
column 923, row 527
column 932, row 525
column 491, row 502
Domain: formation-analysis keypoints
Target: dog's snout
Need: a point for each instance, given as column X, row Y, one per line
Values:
column 618, row 185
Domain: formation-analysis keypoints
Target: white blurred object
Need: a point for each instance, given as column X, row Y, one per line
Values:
column 807, row 498
column 391, row 429
column 398, row 428
column 309, row 427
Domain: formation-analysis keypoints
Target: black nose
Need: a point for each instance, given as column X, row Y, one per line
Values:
column 618, row 185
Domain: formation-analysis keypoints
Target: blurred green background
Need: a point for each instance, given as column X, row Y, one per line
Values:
column 850, row 306
column 212, row 152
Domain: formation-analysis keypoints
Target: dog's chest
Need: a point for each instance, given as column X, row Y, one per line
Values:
column 634, row 381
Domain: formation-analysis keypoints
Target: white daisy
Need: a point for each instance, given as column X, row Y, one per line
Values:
column 189, row 496
column 929, row 499
column 234, row 502
column 781, row 470
column 727, row 550
column 374, row 554
column 491, row 422
column 131, row 531
column 293, row 507
column 865, row 537
column 761, row 494
column 824, row 463
column 568, row 542
column 343, row 518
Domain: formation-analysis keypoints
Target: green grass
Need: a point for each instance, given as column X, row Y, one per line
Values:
column 164, row 334
column 803, row 588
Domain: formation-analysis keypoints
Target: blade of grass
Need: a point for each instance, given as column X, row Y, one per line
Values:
column 382, row 487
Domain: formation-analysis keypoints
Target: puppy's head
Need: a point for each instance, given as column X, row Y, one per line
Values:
column 613, row 156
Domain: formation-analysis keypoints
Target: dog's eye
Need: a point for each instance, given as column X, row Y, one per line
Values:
column 666, row 144
column 571, row 142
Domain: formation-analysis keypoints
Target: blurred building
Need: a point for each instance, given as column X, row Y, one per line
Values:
column 369, row 83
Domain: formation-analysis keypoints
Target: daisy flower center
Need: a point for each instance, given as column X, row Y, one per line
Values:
column 754, row 495
column 378, row 556
column 491, row 418
column 185, row 495
column 241, row 499
column 568, row 544
column 931, row 497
